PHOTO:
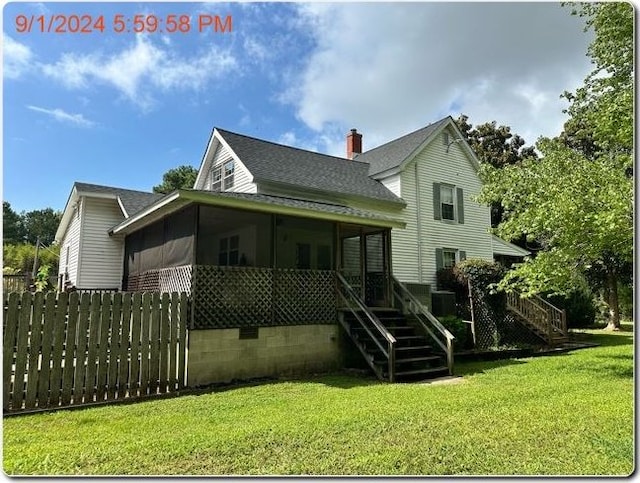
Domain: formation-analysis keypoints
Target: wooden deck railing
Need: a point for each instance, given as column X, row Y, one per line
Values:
column 545, row 317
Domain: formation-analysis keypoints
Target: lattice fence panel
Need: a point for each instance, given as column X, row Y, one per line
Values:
column 305, row 296
column 495, row 326
column 173, row 279
column 232, row 297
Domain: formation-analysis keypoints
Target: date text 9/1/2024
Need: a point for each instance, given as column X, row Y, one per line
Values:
column 119, row 23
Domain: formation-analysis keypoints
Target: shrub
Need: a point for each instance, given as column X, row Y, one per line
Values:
column 459, row 329
column 580, row 308
column 482, row 273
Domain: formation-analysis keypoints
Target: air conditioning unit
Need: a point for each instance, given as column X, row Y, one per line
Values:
column 421, row 291
column 443, row 303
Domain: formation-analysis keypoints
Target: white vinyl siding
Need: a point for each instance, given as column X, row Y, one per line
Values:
column 241, row 177
column 102, row 255
column 392, row 183
column 436, row 166
column 71, row 245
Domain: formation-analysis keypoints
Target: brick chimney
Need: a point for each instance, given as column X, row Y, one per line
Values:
column 354, row 143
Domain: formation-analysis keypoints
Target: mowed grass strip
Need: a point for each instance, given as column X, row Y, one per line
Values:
column 568, row 414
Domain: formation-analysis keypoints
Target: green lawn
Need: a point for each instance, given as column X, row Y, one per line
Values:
column 569, row 414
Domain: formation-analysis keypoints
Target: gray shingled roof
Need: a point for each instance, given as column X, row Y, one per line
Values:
column 297, row 203
column 133, row 201
column 393, row 153
column 271, row 162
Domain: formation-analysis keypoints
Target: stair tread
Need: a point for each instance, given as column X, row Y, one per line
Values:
column 416, row 359
column 431, row 370
column 415, row 347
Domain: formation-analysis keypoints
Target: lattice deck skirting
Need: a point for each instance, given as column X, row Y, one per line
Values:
column 227, row 297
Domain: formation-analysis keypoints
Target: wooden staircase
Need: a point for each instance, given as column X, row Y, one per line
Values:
column 399, row 345
column 543, row 319
column 414, row 357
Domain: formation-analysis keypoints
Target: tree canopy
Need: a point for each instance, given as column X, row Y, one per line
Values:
column 12, row 227
column 577, row 200
column 498, row 147
column 177, row 178
column 493, row 144
column 28, row 227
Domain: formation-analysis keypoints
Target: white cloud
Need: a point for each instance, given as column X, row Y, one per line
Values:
column 17, row 58
column 389, row 69
column 63, row 116
column 139, row 69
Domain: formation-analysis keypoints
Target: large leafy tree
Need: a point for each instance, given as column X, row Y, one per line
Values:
column 493, row 144
column 578, row 198
column 41, row 225
column 496, row 146
column 12, row 227
column 177, row 178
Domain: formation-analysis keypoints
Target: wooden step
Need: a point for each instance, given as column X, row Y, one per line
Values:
column 429, row 371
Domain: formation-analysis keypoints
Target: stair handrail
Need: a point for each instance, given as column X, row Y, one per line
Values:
column 352, row 296
column 421, row 312
column 556, row 315
column 553, row 318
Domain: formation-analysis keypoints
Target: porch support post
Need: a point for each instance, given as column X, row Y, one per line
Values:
column 363, row 265
column 274, row 264
column 389, row 268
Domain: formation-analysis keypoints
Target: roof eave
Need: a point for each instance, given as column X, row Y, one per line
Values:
column 398, row 203
column 187, row 196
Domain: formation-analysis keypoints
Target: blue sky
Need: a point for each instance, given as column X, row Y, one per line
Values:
column 120, row 109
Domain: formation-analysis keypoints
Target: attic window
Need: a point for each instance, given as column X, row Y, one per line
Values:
column 229, row 170
column 216, row 178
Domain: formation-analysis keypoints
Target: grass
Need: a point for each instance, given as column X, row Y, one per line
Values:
column 568, row 414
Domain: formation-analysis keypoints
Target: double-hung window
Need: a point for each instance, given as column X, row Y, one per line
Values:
column 216, row 178
column 222, row 176
column 448, row 257
column 448, row 203
column 229, row 170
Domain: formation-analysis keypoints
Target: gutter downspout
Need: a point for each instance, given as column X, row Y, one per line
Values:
column 418, row 224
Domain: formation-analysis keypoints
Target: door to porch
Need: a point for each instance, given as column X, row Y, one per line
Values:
column 365, row 263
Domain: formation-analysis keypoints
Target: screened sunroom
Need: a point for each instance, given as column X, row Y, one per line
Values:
column 251, row 260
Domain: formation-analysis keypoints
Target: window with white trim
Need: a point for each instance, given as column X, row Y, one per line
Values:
column 448, row 202
column 448, row 257
column 229, row 171
column 216, row 178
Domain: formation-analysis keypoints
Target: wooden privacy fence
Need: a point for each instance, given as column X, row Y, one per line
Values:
column 70, row 349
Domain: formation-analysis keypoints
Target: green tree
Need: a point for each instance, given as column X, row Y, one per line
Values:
column 177, row 178
column 42, row 225
column 496, row 146
column 12, row 227
column 577, row 200
column 493, row 144
column 18, row 258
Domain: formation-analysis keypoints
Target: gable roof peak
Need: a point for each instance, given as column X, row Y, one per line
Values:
column 393, row 153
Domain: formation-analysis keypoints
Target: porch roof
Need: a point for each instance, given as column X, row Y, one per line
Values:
column 258, row 203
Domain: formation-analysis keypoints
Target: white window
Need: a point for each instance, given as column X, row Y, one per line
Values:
column 229, row 169
column 447, row 202
column 448, row 258
column 216, row 178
